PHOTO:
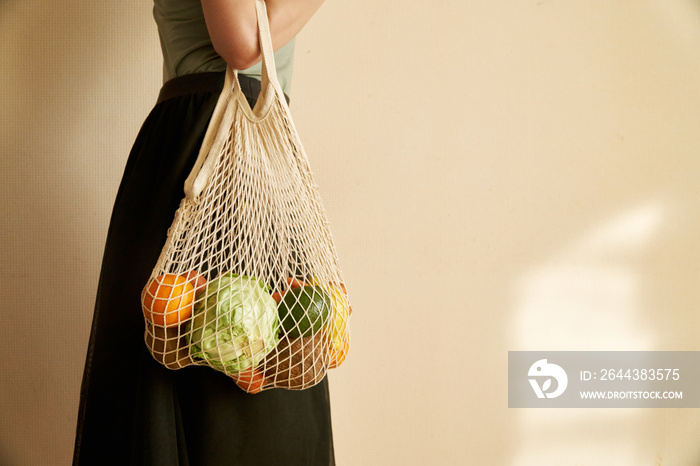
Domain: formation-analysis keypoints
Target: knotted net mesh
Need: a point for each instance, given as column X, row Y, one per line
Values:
column 248, row 281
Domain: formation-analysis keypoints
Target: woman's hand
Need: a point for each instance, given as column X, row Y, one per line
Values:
column 232, row 26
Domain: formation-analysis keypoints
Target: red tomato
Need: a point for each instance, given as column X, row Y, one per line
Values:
column 197, row 280
column 251, row 380
column 292, row 283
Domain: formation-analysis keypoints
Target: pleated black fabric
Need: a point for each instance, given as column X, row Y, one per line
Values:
column 133, row 411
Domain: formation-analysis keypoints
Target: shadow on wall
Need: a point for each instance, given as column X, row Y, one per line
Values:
column 64, row 142
column 608, row 291
column 587, row 298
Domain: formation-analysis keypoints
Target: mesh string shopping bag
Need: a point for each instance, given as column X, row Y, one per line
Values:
column 248, row 281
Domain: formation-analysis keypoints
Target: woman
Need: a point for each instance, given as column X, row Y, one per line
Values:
column 132, row 409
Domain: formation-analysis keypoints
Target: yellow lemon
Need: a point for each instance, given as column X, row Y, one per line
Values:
column 340, row 310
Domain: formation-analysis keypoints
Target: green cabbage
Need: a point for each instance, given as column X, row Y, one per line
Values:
column 235, row 323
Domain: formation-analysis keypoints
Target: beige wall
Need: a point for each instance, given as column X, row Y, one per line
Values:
column 498, row 175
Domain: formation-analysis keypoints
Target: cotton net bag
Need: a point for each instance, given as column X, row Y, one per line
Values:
column 248, row 281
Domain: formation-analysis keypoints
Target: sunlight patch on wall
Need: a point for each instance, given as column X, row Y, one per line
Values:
column 586, row 297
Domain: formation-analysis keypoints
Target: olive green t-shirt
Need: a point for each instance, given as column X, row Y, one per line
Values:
column 187, row 48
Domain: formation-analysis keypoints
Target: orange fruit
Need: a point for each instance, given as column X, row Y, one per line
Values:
column 168, row 300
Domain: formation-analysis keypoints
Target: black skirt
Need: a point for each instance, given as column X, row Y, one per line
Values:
column 133, row 411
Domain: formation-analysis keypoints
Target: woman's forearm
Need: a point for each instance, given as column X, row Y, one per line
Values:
column 232, row 26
